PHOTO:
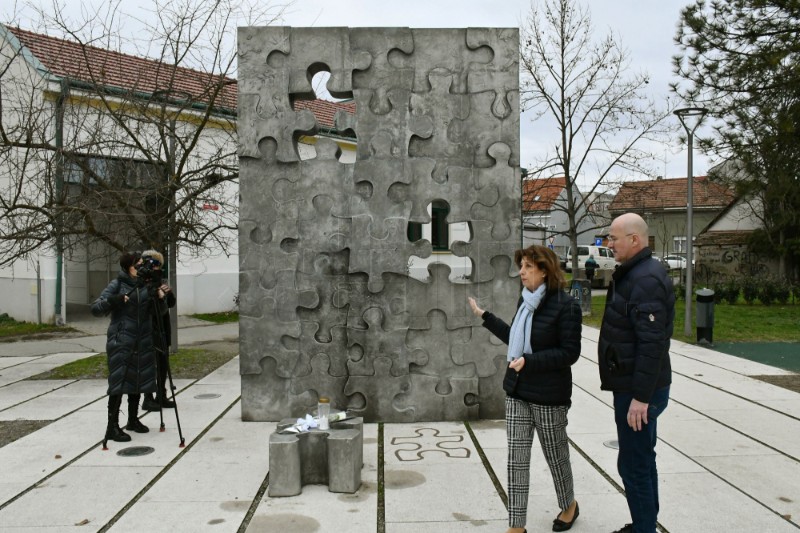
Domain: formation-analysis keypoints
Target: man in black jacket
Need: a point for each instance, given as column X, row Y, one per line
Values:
column 633, row 357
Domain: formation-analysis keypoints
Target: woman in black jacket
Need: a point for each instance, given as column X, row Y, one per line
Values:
column 544, row 341
column 129, row 347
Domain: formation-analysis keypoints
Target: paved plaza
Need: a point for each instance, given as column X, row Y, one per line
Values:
column 729, row 455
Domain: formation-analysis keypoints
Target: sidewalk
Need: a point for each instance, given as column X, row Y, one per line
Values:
column 729, row 459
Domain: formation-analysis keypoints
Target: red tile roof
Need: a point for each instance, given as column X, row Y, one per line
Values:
column 541, row 194
column 670, row 194
column 90, row 64
column 325, row 110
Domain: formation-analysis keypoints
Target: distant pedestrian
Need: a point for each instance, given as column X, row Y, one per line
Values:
column 544, row 341
column 633, row 358
column 591, row 265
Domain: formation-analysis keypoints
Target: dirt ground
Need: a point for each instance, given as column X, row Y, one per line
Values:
column 790, row 381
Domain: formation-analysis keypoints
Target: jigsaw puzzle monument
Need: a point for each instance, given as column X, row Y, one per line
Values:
column 327, row 307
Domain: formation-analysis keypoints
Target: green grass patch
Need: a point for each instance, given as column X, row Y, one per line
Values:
column 732, row 323
column 219, row 318
column 10, row 328
column 188, row 363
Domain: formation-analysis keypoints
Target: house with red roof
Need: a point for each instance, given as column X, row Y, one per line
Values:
column 663, row 205
column 62, row 91
column 544, row 214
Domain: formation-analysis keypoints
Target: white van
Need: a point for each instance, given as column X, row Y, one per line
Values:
column 604, row 256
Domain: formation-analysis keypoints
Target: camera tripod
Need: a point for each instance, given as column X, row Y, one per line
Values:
column 161, row 348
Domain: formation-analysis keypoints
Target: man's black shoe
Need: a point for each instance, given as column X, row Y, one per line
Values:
column 166, row 403
column 149, row 404
column 628, row 528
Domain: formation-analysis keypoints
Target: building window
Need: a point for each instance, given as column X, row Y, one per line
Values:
column 679, row 244
column 440, row 233
column 438, row 227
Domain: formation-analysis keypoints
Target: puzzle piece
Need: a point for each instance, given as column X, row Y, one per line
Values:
column 437, row 342
column 482, row 250
column 480, row 352
column 389, row 48
column 275, row 119
column 385, row 253
column 392, row 183
column 377, row 341
column 398, row 123
column 484, row 129
column 267, row 396
column 430, row 441
column 443, row 107
column 355, row 296
column 321, row 382
column 449, row 405
column 376, row 393
column 314, row 50
column 500, row 76
column 502, row 182
column 452, row 54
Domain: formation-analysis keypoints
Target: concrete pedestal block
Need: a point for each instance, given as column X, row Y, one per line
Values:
column 284, row 465
column 333, row 457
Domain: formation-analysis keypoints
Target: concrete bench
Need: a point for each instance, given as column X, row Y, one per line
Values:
column 332, row 457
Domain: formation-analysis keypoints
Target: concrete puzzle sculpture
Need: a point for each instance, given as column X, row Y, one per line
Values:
column 326, row 304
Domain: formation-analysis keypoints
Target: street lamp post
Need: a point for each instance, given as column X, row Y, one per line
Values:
column 690, row 118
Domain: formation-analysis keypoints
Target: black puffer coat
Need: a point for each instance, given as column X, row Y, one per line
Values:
column 130, row 350
column 546, row 378
column 633, row 350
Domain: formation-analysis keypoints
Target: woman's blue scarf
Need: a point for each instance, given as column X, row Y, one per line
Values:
column 519, row 340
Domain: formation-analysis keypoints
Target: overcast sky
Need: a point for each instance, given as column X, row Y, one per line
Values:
column 645, row 27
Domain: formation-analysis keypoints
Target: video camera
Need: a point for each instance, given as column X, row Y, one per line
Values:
column 148, row 271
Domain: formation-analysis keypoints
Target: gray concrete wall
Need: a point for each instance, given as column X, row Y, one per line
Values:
column 327, row 306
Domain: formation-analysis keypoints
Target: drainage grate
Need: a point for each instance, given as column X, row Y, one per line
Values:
column 207, row 396
column 135, row 451
column 614, row 444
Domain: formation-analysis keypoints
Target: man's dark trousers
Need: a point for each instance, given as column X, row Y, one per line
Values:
column 636, row 461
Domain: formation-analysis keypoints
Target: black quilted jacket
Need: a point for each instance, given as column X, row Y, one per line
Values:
column 633, row 350
column 129, row 347
column 546, row 378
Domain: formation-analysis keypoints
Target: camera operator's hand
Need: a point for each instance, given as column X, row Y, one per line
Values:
column 163, row 290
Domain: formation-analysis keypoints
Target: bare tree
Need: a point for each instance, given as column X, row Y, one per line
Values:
column 603, row 120
column 127, row 132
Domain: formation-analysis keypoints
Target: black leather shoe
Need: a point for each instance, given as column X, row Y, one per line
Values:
column 149, row 404
column 627, row 528
column 560, row 525
column 136, row 425
column 166, row 403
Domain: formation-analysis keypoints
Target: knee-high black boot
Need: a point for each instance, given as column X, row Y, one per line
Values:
column 113, row 431
column 133, row 415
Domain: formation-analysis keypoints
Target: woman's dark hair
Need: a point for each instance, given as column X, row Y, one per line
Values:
column 545, row 260
column 128, row 259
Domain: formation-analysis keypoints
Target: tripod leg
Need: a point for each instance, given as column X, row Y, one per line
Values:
column 177, row 416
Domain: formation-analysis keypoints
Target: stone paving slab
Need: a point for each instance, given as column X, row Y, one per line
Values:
column 22, row 391
column 702, row 502
column 59, row 402
column 39, row 365
column 211, row 487
column 6, row 362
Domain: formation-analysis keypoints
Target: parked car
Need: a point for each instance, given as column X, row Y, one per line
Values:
column 674, row 262
column 604, row 256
